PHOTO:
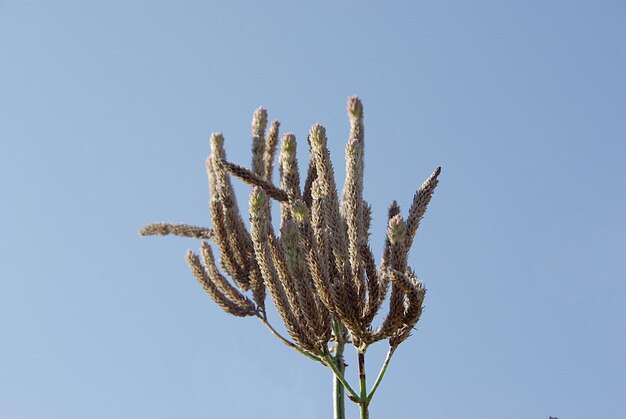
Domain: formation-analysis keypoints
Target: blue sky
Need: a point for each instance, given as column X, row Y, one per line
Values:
column 105, row 113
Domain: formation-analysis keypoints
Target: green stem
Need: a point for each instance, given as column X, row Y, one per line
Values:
column 381, row 374
column 288, row 342
column 339, row 393
column 339, row 405
column 363, row 400
column 329, row 361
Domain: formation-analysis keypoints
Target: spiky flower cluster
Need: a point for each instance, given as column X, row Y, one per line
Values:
column 318, row 268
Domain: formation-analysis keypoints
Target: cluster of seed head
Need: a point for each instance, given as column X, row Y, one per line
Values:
column 318, row 267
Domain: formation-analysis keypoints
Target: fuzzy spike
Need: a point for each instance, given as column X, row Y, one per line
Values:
column 259, row 123
column 352, row 196
column 420, row 203
column 182, row 230
column 270, row 150
column 211, row 288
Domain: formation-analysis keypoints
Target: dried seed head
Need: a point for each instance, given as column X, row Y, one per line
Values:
column 288, row 146
column 318, row 135
column 420, row 203
column 183, row 230
column 222, row 284
column 289, row 238
column 259, row 123
column 353, row 147
column 217, row 144
column 259, row 120
column 257, row 202
column 255, row 180
column 203, row 277
column 288, row 170
column 396, row 231
column 394, row 209
column 355, row 107
column 299, row 211
column 270, row 150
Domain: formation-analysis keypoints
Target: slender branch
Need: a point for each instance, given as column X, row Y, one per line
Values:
column 381, row 374
column 339, row 375
column 364, row 402
column 290, row 343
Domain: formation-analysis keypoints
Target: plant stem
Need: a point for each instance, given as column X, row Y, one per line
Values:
column 339, row 394
column 339, row 405
column 288, row 342
column 381, row 374
column 331, row 363
column 363, row 400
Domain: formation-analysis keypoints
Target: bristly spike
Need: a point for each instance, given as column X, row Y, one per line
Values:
column 259, row 123
column 222, row 284
column 355, row 107
column 183, row 230
column 420, row 203
column 352, row 197
column 253, row 179
column 261, row 231
column 396, row 230
column 299, row 211
column 233, row 234
column 289, row 173
column 324, row 194
column 258, row 200
column 234, row 308
column 394, row 209
column 270, row 149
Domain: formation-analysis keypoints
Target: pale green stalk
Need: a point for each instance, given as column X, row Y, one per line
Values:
column 381, row 374
column 288, row 342
column 363, row 400
column 339, row 405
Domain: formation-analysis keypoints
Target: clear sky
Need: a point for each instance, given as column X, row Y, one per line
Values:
column 105, row 113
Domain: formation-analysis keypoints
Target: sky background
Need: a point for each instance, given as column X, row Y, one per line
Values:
column 105, row 113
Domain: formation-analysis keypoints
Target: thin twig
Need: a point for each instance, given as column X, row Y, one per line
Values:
column 381, row 374
column 290, row 343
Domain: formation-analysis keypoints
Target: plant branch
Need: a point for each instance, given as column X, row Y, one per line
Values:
column 381, row 374
column 290, row 343
column 329, row 361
